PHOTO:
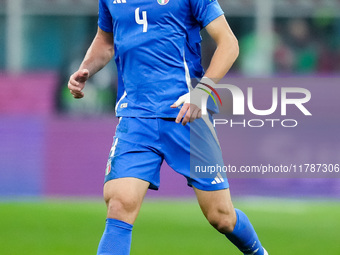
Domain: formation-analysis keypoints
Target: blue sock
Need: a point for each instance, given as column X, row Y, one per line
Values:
column 116, row 239
column 244, row 236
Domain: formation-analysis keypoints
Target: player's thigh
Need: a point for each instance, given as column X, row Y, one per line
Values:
column 216, row 205
column 124, row 197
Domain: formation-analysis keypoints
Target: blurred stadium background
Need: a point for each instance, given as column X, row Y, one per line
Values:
column 53, row 149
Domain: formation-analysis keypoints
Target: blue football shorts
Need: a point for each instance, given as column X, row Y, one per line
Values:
column 141, row 144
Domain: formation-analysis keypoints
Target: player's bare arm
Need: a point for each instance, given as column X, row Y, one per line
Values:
column 98, row 55
column 225, row 55
column 227, row 49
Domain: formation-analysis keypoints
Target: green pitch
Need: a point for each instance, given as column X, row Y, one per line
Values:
column 70, row 227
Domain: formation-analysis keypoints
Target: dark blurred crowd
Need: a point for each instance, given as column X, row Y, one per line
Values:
column 307, row 46
column 301, row 46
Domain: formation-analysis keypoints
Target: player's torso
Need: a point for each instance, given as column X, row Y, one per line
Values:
column 152, row 49
column 145, row 18
column 150, row 31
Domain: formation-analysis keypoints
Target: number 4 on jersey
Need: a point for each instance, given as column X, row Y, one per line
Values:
column 142, row 21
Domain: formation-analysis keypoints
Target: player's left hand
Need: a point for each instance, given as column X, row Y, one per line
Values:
column 190, row 111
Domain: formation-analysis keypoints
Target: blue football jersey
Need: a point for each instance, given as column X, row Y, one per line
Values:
column 157, row 50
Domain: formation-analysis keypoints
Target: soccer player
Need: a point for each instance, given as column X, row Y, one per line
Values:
column 156, row 47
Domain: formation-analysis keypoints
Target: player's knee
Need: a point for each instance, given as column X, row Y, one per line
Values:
column 223, row 222
column 121, row 206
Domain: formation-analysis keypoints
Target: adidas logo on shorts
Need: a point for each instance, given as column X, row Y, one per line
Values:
column 119, row 1
column 218, row 179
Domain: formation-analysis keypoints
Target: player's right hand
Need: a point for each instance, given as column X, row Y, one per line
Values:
column 77, row 83
column 190, row 109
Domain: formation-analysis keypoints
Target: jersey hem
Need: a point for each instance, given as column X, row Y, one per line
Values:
column 147, row 116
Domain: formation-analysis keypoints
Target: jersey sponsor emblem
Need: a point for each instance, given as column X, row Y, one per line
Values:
column 163, row 2
column 123, row 105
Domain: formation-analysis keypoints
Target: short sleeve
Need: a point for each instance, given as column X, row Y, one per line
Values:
column 205, row 11
column 104, row 17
